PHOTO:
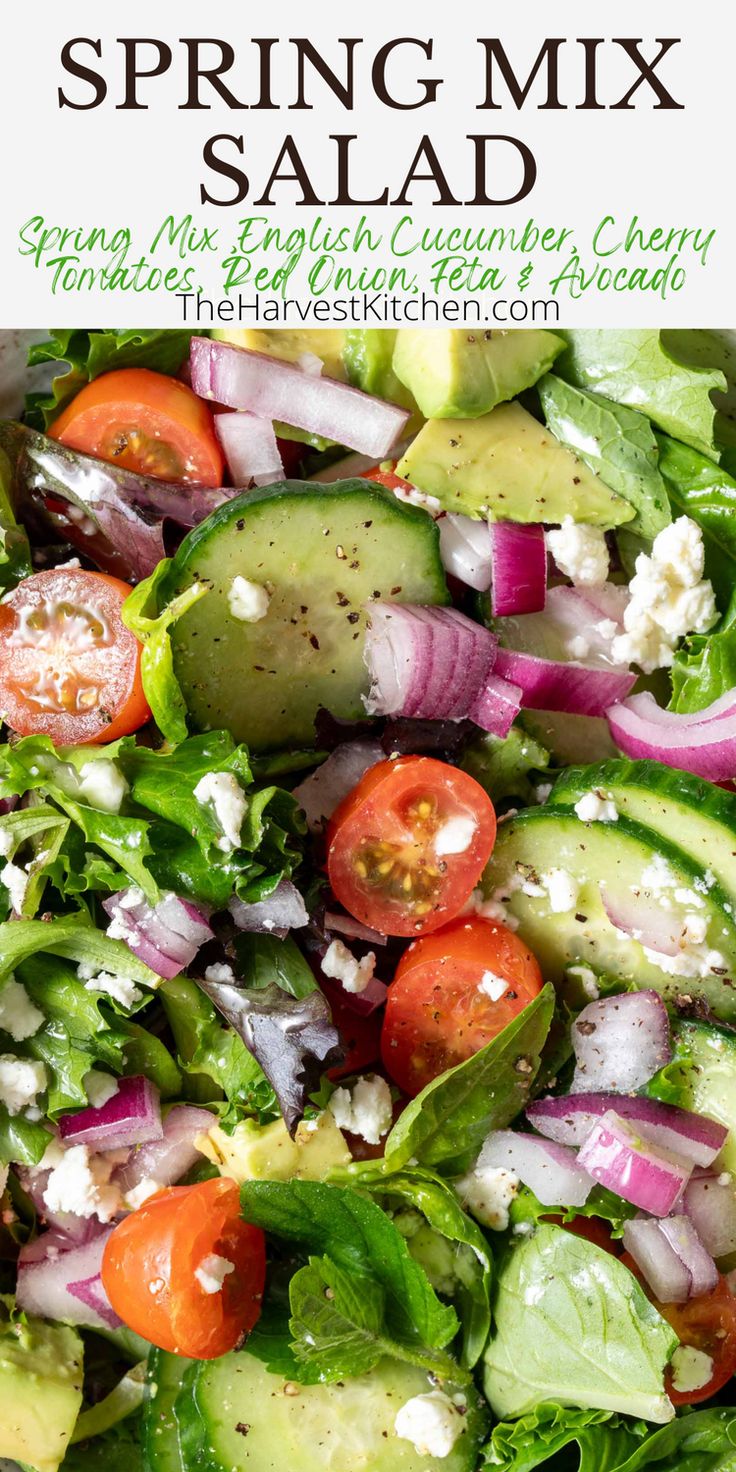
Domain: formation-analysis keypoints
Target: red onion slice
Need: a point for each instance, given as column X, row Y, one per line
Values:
column 131, row 1117
column 680, row 1234
column 429, row 663
column 347, row 925
column 250, row 447
column 643, row 918
column 665, row 1272
column 272, row 389
column 369, row 1000
column 91, row 1293
column 710, row 1203
column 617, row 1157
column 43, row 1285
column 549, row 684
column 496, row 707
column 280, row 912
column 704, row 744
column 166, row 936
column 518, row 568
column 465, row 549
column 168, row 1159
column 323, row 791
column 620, row 1042
column 551, row 1171
column 569, row 1119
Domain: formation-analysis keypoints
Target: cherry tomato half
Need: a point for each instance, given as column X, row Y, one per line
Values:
column 707, row 1323
column 387, row 478
column 407, row 846
column 69, row 668
column 146, row 422
column 453, row 992
column 159, row 1265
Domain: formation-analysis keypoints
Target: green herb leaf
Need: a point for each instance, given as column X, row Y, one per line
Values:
column 705, row 492
column 140, row 613
column 603, row 1440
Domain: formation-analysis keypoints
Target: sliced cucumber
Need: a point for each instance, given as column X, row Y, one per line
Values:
column 324, row 552
column 611, row 859
column 238, row 1417
column 161, row 1444
column 702, row 818
column 702, row 1077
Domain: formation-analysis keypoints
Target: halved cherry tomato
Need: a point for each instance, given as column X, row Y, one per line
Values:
column 69, row 668
column 444, row 1003
column 150, row 1270
column 407, row 846
column 147, row 422
column 387, row 478
column 707, row 1323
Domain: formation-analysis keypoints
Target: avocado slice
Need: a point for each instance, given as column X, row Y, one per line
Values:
column 609, row 860
column 507, row 466
column 456, row 374
column 40, row 1391
column 267, row 1152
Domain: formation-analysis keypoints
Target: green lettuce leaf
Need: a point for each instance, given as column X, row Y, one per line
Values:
column 702, row 1441
column 15, row 552
column 705, row 492
column 615, row 442
column 78, row 941
column 85, row 355
column 634, row 367
column 21, row 1140
column 504, row 767
column 705, row 666
column 446, row 1124
column 140, row 614
column 572, row 1325
column 214, row 1059
column 603, row 1440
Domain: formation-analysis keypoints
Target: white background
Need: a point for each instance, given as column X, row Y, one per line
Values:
column 112, row 168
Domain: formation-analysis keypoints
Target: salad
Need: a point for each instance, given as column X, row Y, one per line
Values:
column 367, row 886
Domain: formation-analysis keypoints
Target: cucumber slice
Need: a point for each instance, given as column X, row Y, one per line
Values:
column 160, row 1432
column 613, row 858
column 701, row 817
column 325, row 552
column 702, row 1077
column 238, row 1417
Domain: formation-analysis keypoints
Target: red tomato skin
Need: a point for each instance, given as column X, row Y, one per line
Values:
column 149, row 1262
column 112, row 667
column 372, row 812
column 148, row 422
column 435, row 1016
column 360, row 1035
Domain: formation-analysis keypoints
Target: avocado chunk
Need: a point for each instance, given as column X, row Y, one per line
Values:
column 608, row 863
column 267, row 1152
column 368, row 357
column 456, row 374
column 40, row 1391
column 326, row 343
column 507, row 466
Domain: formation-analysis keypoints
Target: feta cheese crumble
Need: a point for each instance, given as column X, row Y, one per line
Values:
column 492, row 986
column 140, row 1193
column 596, row 807
column 562, row 890
column 15, row 880
column 691, row 1369
column 455, row 836
column 120, row 988
column 99, row 1087
column 222, row 791
column 339, row 963
column 80, row 1183
column 668, row 598
column 487, row 1194
column 431, row 1422
column 102, row 785
column 18, row 1015
column 21, row 1080
column 580, row 552
column 212, row 1272
column 365, row 1110
column 248, row 602
column 220, row 972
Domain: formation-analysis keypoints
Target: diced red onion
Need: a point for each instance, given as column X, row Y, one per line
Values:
column 703, row 743
column 43, row 1285
column 323, row 791
column 347, row 925
column 282, row 910
column 550, row 684
column 617, row 1157
column 569, row 1119
column 428, row 663
column 272, row 389
column 620, row 1042
column 551, row 1171
column 710, row 1203
column 496, row 707
column 7, row 805
column 666, row 1274
column 518, row 568
column 168, row 1159
column 465, row 549
column 55, row 1240
column 682, row 1237
column 643, row 918
column 369, row 1000
column 250, row 449
column 595, row 614
column 166, row 936
column 131, row 1117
